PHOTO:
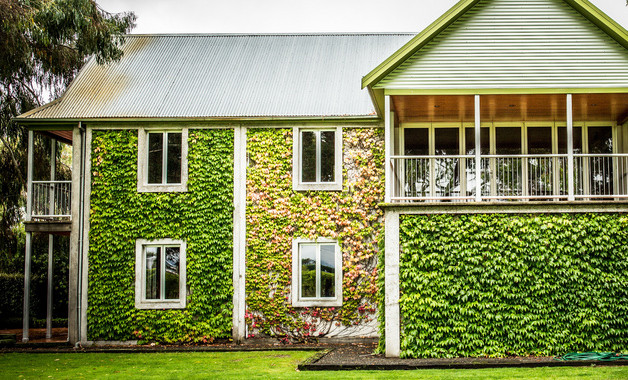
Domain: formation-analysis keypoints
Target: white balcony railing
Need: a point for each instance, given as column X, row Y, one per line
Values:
column 51, row 199
column 509, row 177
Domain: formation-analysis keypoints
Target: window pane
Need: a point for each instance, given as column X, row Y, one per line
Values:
column 153, row 272
column 172, row 273
column 562, row 140
column 416, row 141
column 446, row 141
column 308, row 156
column 328, row 270
column 508, row 140
column 327, row 156
column 600, row 140
column 155, row 157
column 539, row 140
column 470, row 141
column 174, row 158
column 308, row 270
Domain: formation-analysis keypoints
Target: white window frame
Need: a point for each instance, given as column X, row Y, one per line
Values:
column 297, row 184
column 140, row 275
column 142, row 162
column 297, row 300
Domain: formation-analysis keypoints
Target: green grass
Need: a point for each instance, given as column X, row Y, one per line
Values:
column 245, row 365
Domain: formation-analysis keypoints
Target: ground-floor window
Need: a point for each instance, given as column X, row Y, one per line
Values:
column 160, row 274
column 316, row 273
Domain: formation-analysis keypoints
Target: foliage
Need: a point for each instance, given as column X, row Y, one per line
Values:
column 43, row 43
column 496, row 285
column 250, row 365
column 203, row 216
column 276, row 214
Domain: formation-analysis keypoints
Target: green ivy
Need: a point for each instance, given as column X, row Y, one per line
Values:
column 497, row 285
column 203, row 216
column 276, row 214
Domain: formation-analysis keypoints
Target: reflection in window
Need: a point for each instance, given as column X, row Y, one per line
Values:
column 161, row 272
column 318, row 156
column 164, row 158
column 318, row 270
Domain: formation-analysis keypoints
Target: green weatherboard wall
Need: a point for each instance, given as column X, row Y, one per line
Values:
column 494, row 285
column 119, row 215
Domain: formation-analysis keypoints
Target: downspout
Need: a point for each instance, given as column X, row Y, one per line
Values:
column 80, row 231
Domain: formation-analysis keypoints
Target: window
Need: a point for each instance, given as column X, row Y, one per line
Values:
column 162, row 160
column 316, row 273
column 160, row 274
column 317, row 159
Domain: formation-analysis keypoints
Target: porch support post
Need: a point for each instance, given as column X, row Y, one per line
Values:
column 388, row 149
column 239, row 235
column 28, row 245
column 391, row 285
column 478, row 147
column 51, row 211
column 76, row 236
column 570, row 168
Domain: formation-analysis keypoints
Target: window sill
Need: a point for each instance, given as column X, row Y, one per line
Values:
column 170, row 188
column 317, row 187
column 174, row 304
column 317, row 303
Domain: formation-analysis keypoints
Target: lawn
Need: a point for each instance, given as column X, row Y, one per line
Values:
column 245, row 365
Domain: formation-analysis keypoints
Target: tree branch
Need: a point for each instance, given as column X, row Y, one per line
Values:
column 15, row 163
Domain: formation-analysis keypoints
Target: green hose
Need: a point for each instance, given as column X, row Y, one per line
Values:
column 600, row 356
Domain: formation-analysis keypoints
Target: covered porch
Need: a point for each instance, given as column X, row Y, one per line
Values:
column 506, row 147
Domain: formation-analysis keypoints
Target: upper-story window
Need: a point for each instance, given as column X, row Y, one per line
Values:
column 317, row 159
column 162, row 161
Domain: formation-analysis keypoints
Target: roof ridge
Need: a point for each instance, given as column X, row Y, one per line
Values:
column 269, row 34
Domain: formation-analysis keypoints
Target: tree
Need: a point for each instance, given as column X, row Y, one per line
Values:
column 43, row 44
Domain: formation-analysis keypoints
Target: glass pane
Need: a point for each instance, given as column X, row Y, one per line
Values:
column 416, row 141
column 327, row 156
column 155, row 157
column 174, row 158
column 328, row 270
column 601, row 168
column 308, row 156
column 508, row 170
column 447, row 170
column 446, row 141
column 153, row 272
column 600, row 140
column 172, row 273
column 562, row 140
column 308, row 270
column 540, row 169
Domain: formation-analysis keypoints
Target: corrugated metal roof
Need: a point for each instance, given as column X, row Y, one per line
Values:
column 515, row 44
column 205, row 76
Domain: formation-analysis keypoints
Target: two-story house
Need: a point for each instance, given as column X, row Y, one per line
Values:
column 250, row 185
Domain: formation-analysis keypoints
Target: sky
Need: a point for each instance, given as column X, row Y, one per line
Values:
column 297, row 16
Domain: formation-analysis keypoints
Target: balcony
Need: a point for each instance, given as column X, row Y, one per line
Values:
column 541, row 177
column 51, row 200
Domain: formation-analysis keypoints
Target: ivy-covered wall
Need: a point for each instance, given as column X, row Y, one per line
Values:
column 495, row 285
column 276, row 214
column 119, row 215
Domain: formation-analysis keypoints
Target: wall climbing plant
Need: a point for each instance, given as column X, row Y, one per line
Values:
column 496, row 285
column 119, row 215
column 276, row 214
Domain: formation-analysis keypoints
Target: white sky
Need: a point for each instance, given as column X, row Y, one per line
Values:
column 297, row 16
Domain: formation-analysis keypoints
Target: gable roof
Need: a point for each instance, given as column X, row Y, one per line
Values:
column 583, row 7
column 227, row 76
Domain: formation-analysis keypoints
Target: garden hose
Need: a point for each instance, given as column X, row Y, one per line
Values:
column 600, row 356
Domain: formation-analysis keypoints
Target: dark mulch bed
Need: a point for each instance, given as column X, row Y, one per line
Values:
column 360, row 356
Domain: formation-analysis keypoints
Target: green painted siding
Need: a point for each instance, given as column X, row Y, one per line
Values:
column 515, row 44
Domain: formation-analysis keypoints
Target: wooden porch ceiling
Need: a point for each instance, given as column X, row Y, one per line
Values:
column 63, row 136
column 504, row 108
